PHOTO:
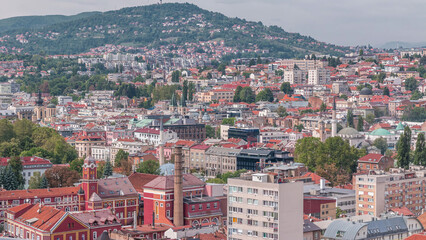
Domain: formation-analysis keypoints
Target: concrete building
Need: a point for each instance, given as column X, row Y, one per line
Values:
column 319, row 76
column 260, row 207
column 220, row 160
column 294, row 76
column 376, row 193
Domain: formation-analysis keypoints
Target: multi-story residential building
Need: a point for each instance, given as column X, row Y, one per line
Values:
column 100, row 153
column 374, row 161
column 376, row 193
column 260, row 207
column 319, row 207
column 303, row 64
column 215, row 95
column 220, row 160
column 31, row 166
column 151, row 136
column 294, row 76
column 197, row 156
column 128, row 145
column 84, row 143
column 319, row 76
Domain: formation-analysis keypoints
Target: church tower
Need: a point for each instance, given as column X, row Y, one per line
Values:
column 38, row 109
column 334, row 120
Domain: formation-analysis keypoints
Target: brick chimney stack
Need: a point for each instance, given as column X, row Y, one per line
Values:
column 178, row 191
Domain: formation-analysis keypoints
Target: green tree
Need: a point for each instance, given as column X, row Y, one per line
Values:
column 23, row 128
column 6, row 130
column 185, row 90
column 9, row 179
column 149, row 167
column 252, row 62
column 120, row 156
column 299, row 127
column 416, row 95
column 35, row 181
column 210, row 131
column 176, row 76
column 306, row 152
column 77, row 165
column 247, row 95
column 416, row 114
column 265, row 95
column 370, row 118
column 228, row 121
column 386, row 91
column 323, row 107
column 16, row 165
column 44, row 183
column 281, row 111
column 286, row 88
column 108, row 169
column 381, row 144
column 411, row 84
column 360, row 125
column 350, row 119
column 237, row 94
column 420, row 152
column 191, row 91
column 403, row 148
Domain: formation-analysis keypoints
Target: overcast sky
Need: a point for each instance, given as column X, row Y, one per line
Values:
column 346, row 22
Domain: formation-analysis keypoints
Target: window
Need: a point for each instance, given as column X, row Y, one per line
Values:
column 95, row 235
column 193, row 207
column 208, row 205
column 200, row 207
column 215, row 205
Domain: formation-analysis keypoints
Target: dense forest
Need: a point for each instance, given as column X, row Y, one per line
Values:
column 156, row 25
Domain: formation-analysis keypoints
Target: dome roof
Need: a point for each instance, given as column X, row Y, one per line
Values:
column 366, row 91
column 167, row 169
column 348, row 131
column 380, row 132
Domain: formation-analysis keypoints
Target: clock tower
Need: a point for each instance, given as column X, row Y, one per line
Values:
column 89, row 180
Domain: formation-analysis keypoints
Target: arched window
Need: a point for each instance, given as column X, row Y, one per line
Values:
column 95, row 235
column 215, row 220
column 195, row 223
column 205, row 220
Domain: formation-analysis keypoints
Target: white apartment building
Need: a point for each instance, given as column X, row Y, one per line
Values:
column 151, row 136
column 261, row 208
column 319, row 76
column 294, row 76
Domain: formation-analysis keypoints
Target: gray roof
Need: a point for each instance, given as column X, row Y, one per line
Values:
column 348, row 230
column 366, row 91
column 348, row 131
column 386, row 226
column 113, row 187
column 223, row 151
column 309, row 226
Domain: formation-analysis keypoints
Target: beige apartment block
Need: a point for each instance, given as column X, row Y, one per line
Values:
column 382, row 191
column 261, row 208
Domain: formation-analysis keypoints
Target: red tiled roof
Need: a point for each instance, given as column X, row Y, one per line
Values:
column 403, row 211
column 371, row 157
column 139, row 180
column 40, row 193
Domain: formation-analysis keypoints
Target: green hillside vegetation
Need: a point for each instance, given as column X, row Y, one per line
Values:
column 170, row 25
column 34, row 22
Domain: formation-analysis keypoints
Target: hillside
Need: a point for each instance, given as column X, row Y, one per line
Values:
column 170, row 25
column 35, row 22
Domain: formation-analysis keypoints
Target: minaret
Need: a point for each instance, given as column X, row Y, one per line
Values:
column 178, row 188
column 173, row 103
column 161, row 143
column 334, row 121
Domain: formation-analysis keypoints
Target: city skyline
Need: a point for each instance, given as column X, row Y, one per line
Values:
column 344, row 23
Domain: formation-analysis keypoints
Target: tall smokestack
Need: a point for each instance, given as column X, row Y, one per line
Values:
column 161, row 154
column 178, row 191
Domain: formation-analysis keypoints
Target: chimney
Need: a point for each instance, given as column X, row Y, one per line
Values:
column 178, row 191
column 322, row 184
column 161, row 154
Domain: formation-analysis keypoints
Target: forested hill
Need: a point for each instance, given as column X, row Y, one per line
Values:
column 35, row 22
column 171, row 24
